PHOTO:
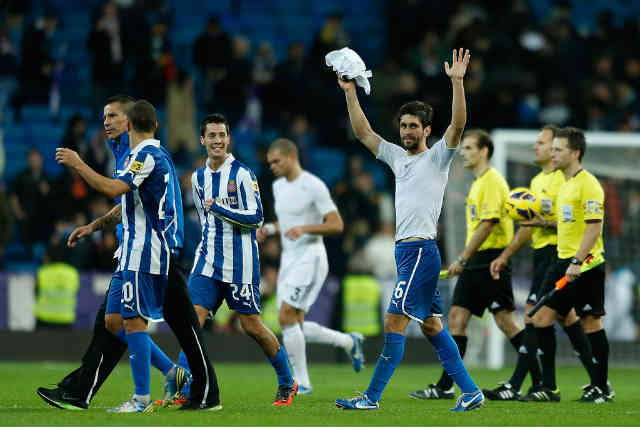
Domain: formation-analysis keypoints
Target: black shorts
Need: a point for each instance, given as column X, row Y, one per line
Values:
column 476, row 290
column 585, row 294
column 543, row 259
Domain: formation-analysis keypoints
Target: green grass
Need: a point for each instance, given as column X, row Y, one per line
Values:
column 247, row 391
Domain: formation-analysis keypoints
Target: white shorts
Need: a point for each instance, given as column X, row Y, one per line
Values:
column 300, row 280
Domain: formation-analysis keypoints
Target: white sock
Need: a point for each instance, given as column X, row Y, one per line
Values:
column 293, row 340
column 314, row 332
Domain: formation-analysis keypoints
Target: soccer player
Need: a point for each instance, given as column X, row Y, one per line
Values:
column 489, row 230
column 108, row 344
column 226, row 265
column 150, row 212
column 579, row 213
column 305, row 213
column 544, row 239
column 421, row 177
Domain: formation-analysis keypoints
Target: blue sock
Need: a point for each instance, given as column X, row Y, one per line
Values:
column 159, row 360
column 122, row 336
column 388, row 361
column 140, row 360
column 449, row 356
column 280, row 363
column 182, row 360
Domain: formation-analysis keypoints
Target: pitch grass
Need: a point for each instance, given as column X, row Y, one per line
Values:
column 247, row 391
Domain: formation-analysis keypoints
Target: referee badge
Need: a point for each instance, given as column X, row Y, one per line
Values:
column 231, row 187
column 593, row 207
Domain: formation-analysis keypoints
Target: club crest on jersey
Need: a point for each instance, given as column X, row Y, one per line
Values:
column 231, row 187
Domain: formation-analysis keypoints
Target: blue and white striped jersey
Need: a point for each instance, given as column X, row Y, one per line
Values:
column 228, row 250
column 149, row 210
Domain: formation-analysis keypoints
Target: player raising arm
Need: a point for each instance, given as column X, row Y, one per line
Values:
column 421, row 177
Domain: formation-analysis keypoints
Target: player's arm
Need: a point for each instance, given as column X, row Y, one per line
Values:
column 252, row 216
column 589, row 239
column 456, row 73
column 268, row 229
column 523, row 235
column 478, row 238
column 359, row 123
column 106, row 221
column 109, row 187
column 331, row 224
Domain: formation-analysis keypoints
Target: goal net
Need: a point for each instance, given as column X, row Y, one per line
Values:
column 615, row 159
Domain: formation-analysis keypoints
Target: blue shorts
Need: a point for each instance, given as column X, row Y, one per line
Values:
column 209, row 293
column 416, row 293
column 115, row 293
column 133, row 294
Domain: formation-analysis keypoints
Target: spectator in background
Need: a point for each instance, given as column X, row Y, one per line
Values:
column 8, row 71
column 182, row 138
column 331, row 36
column 37, row 63
column 107, row 50
column 233, row 89
column 75, row 136
column 155, row 67
column 57, row 286
column 211, row 51
column 30, row 201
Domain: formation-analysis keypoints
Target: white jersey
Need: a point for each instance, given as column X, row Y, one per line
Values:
column 303, row 201
column 420, row 183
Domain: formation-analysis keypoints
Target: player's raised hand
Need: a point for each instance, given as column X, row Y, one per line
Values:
column 459, row 62
column 346, row 84
column 79, row 233
column 68, row 157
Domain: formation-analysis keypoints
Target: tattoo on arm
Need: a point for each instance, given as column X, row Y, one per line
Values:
column 110, row 219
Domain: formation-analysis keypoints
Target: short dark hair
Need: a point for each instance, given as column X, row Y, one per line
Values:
column 121, row 99
column 483, row 139
column 142, row 116
column 285, row 146
column 419, row 109
column 213, row 118
column 553, row 128
column 575, row 139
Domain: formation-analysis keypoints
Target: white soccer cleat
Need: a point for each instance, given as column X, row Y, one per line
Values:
column 133, row 405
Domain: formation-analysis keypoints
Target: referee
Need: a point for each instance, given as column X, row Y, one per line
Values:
column 544, row 239
column 489, row 231
column 580, row 213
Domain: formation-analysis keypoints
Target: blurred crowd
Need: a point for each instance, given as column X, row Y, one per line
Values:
column 525, row 71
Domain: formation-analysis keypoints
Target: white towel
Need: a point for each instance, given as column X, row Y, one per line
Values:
column 347, row 63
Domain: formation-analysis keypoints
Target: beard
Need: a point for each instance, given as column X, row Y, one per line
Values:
column 410, row 143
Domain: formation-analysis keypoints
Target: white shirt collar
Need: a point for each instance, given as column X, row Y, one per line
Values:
column 226, row 164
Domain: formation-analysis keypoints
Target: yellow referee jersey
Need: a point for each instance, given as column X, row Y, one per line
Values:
column 580, row 199
column 545, row 186
column 485, row 201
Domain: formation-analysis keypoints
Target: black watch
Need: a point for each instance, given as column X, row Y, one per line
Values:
column 575, row 261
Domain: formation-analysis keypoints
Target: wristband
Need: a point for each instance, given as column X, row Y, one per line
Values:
column 270, row 228
column 462, row 261
column 575, row 261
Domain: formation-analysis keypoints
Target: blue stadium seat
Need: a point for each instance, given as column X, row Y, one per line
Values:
column 329, row 164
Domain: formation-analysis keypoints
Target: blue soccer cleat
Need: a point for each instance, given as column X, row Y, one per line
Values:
column 361, row 402
column 356, row 354
column 469, row 401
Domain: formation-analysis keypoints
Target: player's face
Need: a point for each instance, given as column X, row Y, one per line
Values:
column 542, row 147
column 115, row 121
column 278, row 162
column 216, row 140
column 470, row 153
column 562, row 155
column 411, row 132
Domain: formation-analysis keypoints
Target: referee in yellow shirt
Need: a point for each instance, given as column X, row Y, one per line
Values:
column 489, row 231
column 544, row 239
column 580, row 213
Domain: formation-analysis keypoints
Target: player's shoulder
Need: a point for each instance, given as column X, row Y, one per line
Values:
column 243, row 168
column 586, row 178
column 311, row 179
column 493, row 177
